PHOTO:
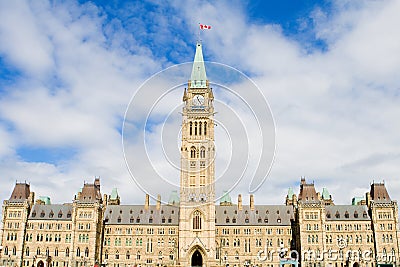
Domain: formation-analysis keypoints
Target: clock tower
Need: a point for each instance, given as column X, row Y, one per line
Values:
column 197, row 192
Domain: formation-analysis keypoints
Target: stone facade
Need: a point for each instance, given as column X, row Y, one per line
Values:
column 192, row 230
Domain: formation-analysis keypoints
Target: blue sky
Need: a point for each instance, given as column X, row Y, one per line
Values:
column 329, row 70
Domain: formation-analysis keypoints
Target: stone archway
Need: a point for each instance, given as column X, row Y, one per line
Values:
column 197, row 259
column 356, row 264
column 40, row 264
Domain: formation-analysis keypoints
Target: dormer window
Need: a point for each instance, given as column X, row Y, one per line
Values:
column 337, row 215
column 259, row 220
column 69, row 214
column 279, row 220
column 328, row 215
column 51, row 215
column 227, row 220
column 138, row 220
column 234, row 220
column 34, row 214
column 355, row 214
column 131, row 220
column 119, row 219
column 60, row 214
column 346, row 215
column 42, row 214
column 247, row 220
column 151, row 220
column 365, row 214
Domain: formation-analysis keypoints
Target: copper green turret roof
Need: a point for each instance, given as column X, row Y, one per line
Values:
column 173, row 198
column 325, row 194
column 198, row 78
column 290, row 193
column 226, row 198
column 114, row 194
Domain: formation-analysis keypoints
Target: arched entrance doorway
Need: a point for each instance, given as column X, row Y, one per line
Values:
column 40, row 264
column 197, row 259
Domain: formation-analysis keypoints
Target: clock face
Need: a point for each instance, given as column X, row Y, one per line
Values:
column 198, row 100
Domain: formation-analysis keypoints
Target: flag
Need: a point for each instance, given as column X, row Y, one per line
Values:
column 205, row 27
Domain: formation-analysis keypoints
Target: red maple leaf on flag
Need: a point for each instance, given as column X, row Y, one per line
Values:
column 205, row 27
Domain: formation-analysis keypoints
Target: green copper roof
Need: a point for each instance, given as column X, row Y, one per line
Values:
column 325, row 194
column 290, row 192
column 226, row 198
column 198, row 78
column 45, row 199
column 173, row 198
column 114, row 194
column 356, row 200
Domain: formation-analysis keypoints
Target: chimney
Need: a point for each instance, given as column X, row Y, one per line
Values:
column 251, row 202
column 147, row 202
column 158, row 206
column 368, row 199
column 105, row 199
column 240, row 206
column 31, row 199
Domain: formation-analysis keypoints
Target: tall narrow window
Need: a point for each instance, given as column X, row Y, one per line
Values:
column 202, row 152
column 87, row 252
column 202, row 180
column 205, row 128
column 192, row 181
column 199, row 128
column 192, row 152
column 190, row 128
column 197, row 220
column 195, row 128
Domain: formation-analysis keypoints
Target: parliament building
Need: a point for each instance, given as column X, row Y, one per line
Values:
column 192, row 229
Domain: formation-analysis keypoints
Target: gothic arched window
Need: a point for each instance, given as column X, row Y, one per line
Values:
column 205, row 128
column 190, row 128
column 202, row 152
column 197, row 220
column 199, row 128
column 192, row 152
column 195, row 128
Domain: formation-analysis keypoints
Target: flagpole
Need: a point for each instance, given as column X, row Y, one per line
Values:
column 198, row 33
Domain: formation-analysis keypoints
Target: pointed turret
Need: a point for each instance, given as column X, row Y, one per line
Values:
column 114, row 198
column 198, row 78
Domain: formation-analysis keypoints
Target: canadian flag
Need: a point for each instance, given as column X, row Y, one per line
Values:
column 205, row 27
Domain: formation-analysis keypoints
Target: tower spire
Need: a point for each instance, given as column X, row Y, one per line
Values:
column 198, row 78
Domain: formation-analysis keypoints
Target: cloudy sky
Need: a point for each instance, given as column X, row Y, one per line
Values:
column 328, row 69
